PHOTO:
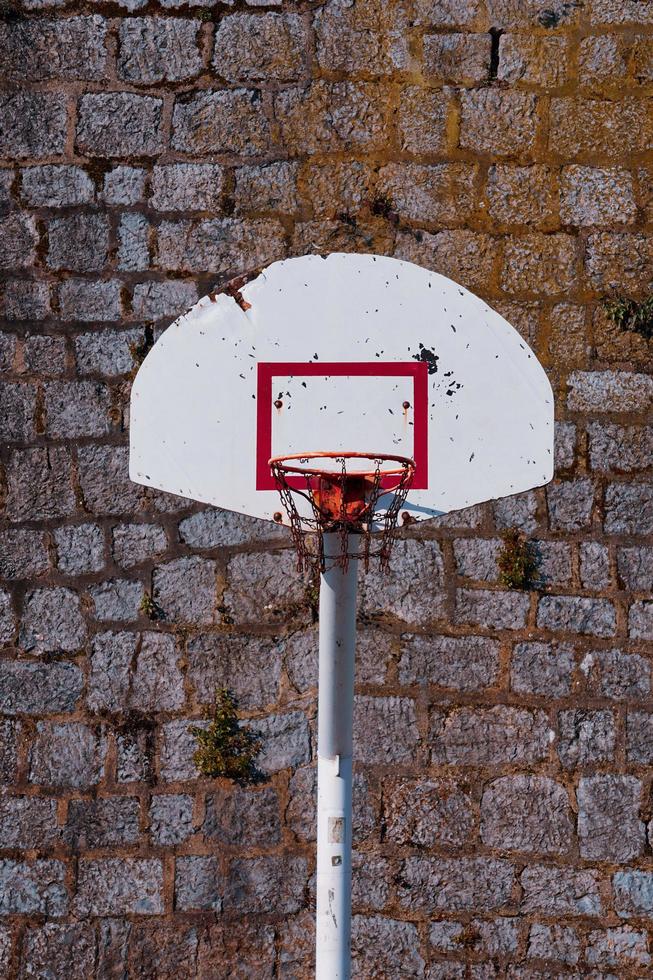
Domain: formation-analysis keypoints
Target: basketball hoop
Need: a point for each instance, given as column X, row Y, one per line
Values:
column 344, row 501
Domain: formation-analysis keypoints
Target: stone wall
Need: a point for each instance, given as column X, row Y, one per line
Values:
column 504, row 738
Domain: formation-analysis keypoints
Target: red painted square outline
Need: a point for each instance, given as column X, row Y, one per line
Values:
column 267, row 370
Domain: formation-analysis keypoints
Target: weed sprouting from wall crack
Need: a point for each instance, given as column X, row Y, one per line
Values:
column 631, row 315
column 516, row 561
column 226, row 748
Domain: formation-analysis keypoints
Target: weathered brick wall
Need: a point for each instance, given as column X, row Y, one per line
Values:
column 504, row 737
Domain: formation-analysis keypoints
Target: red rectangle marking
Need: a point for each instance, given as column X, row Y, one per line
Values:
column 267, row 370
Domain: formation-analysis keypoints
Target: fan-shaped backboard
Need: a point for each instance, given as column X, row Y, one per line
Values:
column 349, row 352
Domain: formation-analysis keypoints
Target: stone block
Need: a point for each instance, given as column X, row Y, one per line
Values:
column 80, row 548
column 115, row 124
column 594, row 565
column 429, row 194
column 69, row 48
column 538, row 263
column 476, row 558
column 465, row 256
column 581, row 127
column 124, row 185
column 573, row 614
column 224, row 122
column 285, row 741
column 492, row 610
column 171, row 818
column 618, row 261
column 22, row 553
column 270, row 187
column 497, row 121
column 53, row 186
column 158, row 49
column 556, row 891
column 219, row 245
column 472, row 736
column 619, row 448
column 77, row 408
column 7, row 618
column 33, row 888
column 198, row 884
column 134, row 544
column 385, row 947
column 618, row 675
column 28, row 822
column 187, row 187
column 462, row 59
column 69, row 754
column 533, row 59
column 104, row 478
column 620, row 947
column 117, row 600
column 639, row 738
column 633, row 893
column 456, row 884
column 65, row 950
column 250, row 667
column 385, row 730
column 32, row 124
column 586, row 737
column 266, row 884
column 412, row 589
column 568, row 341
column 242, row 945
column 466, row 663
column 185, row 589
column 264, row 588
column 521, row 195
column 629, row 509
column 107, row 352
column 526, row 813
column 135, row 754
column 374, row 650
column 635, row 568
column 35, row 689
column 102, row 823
column 78, row 242
column 553, row 942
column 422, row 120
column 545, row 669
column 329, row 117
column 40, row 484
column 446, row 13
column 242, row 817
column 520, row 511
column 133, row 242
column 215, row 528
column 52, row 621
column 640, row 620
column 552, row 563
column 26, row 299
column 620, row 12
column 9, row 732
column 88, row 301
column 178, row 746
column 19, row 239
column 570, row 504
column 593, row 196
column 428, row 813
column 119, row 886
column 165, row 950
column 162, row 300
column 609, row 825
column 530, row 13
column 251, row 48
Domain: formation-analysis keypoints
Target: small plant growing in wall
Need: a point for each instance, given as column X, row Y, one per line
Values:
column 628, row 314
column 225, row 748
column 517, row 565
column 150, row 608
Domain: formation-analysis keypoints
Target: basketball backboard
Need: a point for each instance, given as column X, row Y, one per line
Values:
column 347, row 352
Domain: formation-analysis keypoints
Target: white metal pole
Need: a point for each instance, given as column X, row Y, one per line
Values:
column 334, row 762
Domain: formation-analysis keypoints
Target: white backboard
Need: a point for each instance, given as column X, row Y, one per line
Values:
column 348, row 352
